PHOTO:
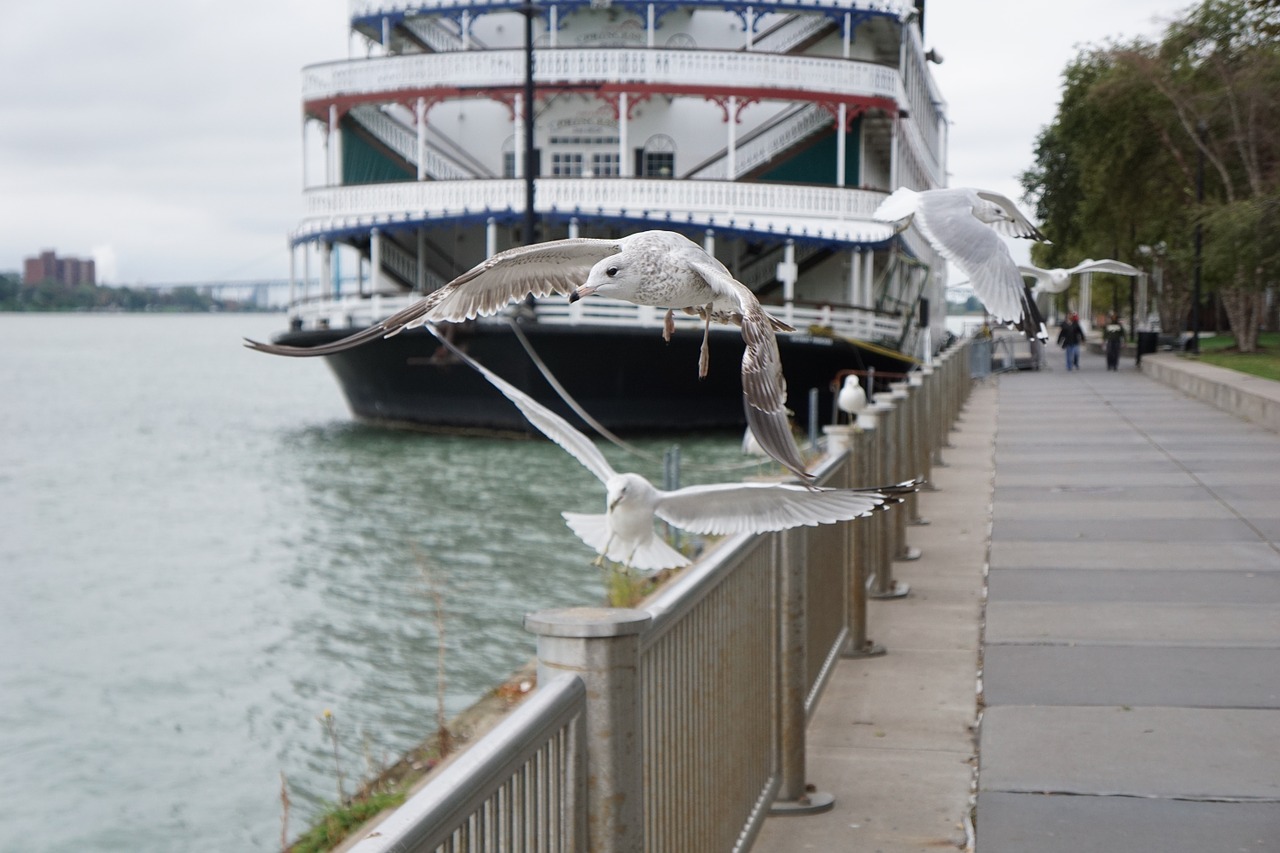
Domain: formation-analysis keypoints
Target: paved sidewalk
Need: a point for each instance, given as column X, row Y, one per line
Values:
column 893, row 736
column 1131, row 656
column 1132, row 647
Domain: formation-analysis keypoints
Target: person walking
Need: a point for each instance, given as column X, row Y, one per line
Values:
column 1113, row 336
column 1070, row 337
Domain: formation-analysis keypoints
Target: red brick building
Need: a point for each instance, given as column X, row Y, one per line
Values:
column 47, row 266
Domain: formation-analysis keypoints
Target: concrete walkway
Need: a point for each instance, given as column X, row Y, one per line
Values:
column 1132, row 647
column 1130, row 665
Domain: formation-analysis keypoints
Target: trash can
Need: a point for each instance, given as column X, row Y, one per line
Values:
column 1147, row 342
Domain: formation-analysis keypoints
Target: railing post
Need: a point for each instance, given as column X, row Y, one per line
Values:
column 881, row 416
column 602, row 647
column 793, row 687
column 860, row 441
column 900, row 395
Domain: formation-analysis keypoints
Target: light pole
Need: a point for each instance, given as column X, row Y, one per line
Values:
column 1201, row 129
column 529, row 10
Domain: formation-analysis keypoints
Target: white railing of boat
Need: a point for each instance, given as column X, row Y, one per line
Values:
column 678, row 725
column 367, row 205
column 404, row 142
column 374, row 8
column 357, row 312
column 391, row 76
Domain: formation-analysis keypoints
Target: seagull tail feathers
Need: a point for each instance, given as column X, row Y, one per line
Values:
column 651, row 556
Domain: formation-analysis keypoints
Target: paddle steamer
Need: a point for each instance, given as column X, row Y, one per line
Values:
column 768, row 131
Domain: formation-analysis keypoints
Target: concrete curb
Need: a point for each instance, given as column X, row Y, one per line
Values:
column 1251, row 398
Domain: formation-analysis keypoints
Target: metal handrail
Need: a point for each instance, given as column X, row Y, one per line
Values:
column 531, row 764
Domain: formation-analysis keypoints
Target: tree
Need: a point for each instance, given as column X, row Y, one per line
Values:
column 1117, row 168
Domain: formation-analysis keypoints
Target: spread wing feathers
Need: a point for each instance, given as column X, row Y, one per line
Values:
column 652, row 555
column 764, row 389
column 548, row 422
column 1032, row 322
column 1018, row 225
column 557, row 266
column 727, row 508
column 901, row 204
column 1105, row 265
column 950, row 226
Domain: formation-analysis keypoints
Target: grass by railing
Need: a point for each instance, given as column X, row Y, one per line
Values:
column 1220, row 350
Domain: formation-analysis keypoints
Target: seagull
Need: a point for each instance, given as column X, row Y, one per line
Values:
column 962, row 224
column 1058, row 280
column 657, row 268
column 851, row 399
column 625, row 534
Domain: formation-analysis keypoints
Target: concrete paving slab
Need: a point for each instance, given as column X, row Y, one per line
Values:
column 1191, row 753
column 1131, row 675
column 1249, row 556
column 1036, row 823
column 1134, row 623
column 1103, row 506
column 1083, row 523
column 1188, row 586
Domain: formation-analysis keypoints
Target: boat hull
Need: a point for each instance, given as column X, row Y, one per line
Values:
column 628, row 379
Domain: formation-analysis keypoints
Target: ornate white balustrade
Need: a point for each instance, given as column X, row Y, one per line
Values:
column 829, row 213
column 375, row 8
column 393, row 77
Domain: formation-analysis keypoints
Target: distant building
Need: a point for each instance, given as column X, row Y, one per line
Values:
column 47, row 266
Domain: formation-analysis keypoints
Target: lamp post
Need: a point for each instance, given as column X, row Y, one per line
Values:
column 529, row 10
column 1201, row 129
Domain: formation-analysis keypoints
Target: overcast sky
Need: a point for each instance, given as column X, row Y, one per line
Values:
column 163, row 138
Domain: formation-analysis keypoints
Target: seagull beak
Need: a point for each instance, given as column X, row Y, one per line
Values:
column 584, row 290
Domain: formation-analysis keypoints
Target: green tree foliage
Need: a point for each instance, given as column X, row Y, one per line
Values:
column 52, row 296
column 1117, row 168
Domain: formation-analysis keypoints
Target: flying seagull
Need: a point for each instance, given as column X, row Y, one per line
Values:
column 658, row 268
column 1058, row 280
column 625, row 534
column 962, row 224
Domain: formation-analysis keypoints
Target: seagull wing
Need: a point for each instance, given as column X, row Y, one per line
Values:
column 764, row 389
column 726, row 508
column 1042, row 277
column 946, row 219
column 548, row 422
column 1105, row 265
column 557, row 266
column 901, row 204
column 1020, row 226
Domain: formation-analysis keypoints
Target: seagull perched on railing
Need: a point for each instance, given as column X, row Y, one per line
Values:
column 962, row 225
column 658, row 268
column 1058, row 280
column 625, row 534
column 851, row 399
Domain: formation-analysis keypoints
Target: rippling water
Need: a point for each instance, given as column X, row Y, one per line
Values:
column 200, row 553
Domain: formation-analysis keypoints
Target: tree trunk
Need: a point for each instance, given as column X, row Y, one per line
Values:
column 1244, row 306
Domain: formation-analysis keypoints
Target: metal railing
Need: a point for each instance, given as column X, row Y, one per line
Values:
column 680, row 725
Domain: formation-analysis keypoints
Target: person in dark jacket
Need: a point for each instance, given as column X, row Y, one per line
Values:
column 1070, row 337
column 1113, row 336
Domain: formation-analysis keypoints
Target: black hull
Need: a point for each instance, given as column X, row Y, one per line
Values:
column 628, row 379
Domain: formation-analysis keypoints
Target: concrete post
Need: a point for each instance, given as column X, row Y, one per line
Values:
column 900, row 396
column 602, row 647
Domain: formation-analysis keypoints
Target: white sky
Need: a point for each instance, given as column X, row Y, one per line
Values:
column 163, row 138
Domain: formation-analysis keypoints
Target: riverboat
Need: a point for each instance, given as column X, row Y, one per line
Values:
column 768, row 132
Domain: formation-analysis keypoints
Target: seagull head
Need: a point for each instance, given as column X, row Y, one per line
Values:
column 991, row 213
column 629, row 492
column 609, row 277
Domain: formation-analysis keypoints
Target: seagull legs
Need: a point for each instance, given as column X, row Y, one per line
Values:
column 669, row 325
column 704, row 357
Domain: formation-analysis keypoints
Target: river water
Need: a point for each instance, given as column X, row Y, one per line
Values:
column 201, row 553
